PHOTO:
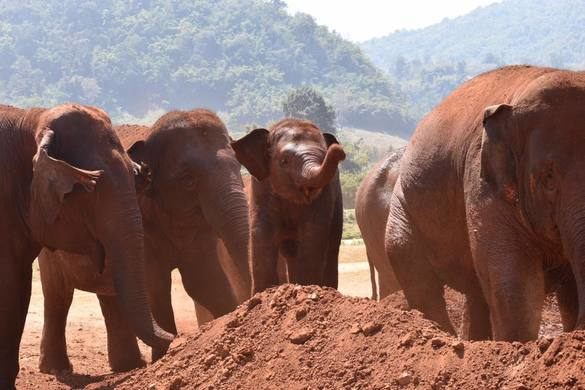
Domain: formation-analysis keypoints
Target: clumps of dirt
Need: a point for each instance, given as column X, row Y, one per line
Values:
column 294, row 337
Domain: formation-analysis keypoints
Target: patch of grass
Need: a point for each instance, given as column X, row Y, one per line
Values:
column 351, row 230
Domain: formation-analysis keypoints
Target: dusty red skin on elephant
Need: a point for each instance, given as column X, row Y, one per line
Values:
column 67, row 184
column 372, row 205
column 466, row 213
column 180, row 150
column 296, row 211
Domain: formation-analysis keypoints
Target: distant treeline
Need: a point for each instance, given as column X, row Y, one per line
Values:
column 238, row 57
column 429, row 63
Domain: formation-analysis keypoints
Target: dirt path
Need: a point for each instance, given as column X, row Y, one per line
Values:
column 86, row 333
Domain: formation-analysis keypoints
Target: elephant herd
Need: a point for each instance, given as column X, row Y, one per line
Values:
column 488, row 198
column 113, row 210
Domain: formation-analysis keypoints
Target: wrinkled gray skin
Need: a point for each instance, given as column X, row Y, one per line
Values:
column 372, row 205
column 67, row 184
column 195, row 219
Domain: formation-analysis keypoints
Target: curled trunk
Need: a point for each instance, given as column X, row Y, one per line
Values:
column 318, row 176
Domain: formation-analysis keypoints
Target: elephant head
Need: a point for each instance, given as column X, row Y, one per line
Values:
column 83, row 201
column 192, row 175
column 532, row 157
column 299, row 160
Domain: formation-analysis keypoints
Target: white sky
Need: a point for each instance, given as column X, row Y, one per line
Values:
column 359, row 20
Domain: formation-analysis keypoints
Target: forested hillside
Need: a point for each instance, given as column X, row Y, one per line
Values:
column 240, row 57
column 430, row 62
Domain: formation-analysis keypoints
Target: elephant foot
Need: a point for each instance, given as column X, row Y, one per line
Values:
column 55, row 366
column 127, row 363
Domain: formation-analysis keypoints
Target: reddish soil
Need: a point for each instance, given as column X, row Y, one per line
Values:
column 86, row 339
column 294, row 337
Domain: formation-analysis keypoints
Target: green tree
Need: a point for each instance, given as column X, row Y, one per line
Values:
column 308, row 103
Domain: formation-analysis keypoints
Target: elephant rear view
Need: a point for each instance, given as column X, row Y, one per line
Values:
column 296, row 210
column 490, row 200
column 67, row 184
column 372, row 205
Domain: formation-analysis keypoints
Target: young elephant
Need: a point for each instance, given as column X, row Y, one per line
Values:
column 372, row 204
column 490, row 200
column 67, row 184
column 296, row 210
column 195, row 217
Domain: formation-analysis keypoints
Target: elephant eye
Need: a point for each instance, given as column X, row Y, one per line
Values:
column 283, row 162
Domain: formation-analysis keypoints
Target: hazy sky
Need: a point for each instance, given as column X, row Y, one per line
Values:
column 359, row 20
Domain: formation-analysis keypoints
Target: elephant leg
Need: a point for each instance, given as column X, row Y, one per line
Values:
column 409, row 258
column 387, row 282
column 378, row 259
column 516, row 297
column 510, row 269
column 476, row 324
column 264, row 256
column 373, row 281
column 310, row 258
column 15, row 283
column 123, row 351
column 159, row 282
column 331, row 274
column 58, row 295
column 568, row 301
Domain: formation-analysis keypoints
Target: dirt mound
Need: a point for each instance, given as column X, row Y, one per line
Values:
column 294, row 337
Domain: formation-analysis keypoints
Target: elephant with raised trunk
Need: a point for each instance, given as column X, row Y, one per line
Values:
column 490, row 200
column 372, row 204
column 67, row 184
column 195, row 218
column 296, row 211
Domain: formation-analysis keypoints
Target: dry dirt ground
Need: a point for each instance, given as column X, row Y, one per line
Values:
column 86, row 334
column 294, row 337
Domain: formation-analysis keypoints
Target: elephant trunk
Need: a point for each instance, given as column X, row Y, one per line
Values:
column 572, row 229
column 315, row 175
column 124, row 247
column 225, row 207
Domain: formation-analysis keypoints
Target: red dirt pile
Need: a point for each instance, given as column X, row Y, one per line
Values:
column 294, row 337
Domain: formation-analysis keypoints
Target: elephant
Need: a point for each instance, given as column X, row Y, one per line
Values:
column 372, row 205
column 489, row 200
column 195, row 216
column 67, row 184
column 296, row 210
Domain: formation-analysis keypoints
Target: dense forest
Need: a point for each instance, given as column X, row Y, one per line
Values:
column 430, row 62
column 138, row 58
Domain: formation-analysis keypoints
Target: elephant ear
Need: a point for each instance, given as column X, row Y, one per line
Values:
column 498, row 165
column 330, row 139
column 252, row 152
column 142, row 175
column 53, row 179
